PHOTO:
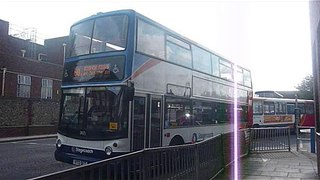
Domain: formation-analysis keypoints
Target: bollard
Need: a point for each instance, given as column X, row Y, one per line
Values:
column 312, row 140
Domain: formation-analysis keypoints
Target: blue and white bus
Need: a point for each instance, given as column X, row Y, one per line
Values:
column 130, row 83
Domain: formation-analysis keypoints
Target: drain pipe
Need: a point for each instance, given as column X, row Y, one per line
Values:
column 64, row 51
column 4, row 70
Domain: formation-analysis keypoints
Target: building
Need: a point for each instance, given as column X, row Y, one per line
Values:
column 315, row 44
column 30, row 80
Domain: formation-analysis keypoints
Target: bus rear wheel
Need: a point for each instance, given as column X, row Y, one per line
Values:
column 177, row 140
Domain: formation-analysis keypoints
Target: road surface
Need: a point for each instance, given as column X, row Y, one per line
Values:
column 28, row 159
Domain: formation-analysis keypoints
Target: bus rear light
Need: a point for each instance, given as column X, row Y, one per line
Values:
column 108, row 150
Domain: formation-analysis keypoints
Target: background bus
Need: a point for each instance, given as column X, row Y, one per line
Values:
column 130, row 83
column 281, row 112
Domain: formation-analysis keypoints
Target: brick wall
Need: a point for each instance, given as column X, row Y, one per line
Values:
column 54, row 49
column 13, row 112
column 22, row 116
column 45, row 112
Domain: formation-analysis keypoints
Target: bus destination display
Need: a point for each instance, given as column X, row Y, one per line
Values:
column 96, row 70
column 92, row 70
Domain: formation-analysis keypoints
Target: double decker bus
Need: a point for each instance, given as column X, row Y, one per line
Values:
column 268, row 112
column 130, row 83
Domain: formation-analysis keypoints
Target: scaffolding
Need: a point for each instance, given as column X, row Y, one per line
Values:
column 29, row 34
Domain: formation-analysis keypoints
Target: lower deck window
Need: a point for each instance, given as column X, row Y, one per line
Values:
column 184, row 112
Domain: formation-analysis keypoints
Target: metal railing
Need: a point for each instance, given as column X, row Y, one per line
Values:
column 270, row 139
column 202, row 160
column 305, row 136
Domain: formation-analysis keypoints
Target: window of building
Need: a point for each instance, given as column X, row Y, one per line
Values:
column 46, row 89
column 150, row 40
column 24, row 86
column 178, row 51
column 201, row 60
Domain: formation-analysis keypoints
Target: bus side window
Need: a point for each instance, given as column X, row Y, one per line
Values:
column 243, row 114
column 302, row 108
column 309, row 109
column 257, row 107
column 290, row 108
column 280, row 108
column 268, row 108
column 223, row 113
column 177, row 112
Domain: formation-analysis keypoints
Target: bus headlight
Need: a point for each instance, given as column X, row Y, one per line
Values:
column 108, row 150
column 58, row 144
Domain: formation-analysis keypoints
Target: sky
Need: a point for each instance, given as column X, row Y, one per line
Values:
column 269, row 37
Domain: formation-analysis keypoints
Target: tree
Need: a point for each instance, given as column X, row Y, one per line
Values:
column 305, row 88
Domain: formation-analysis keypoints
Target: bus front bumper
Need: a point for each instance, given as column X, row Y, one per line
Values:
column 77, row 159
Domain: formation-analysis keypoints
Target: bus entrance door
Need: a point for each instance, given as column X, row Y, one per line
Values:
column 154, row 125
column 139, row 123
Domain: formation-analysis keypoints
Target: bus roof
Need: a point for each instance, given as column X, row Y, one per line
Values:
column 255, row 98
column 133, row 12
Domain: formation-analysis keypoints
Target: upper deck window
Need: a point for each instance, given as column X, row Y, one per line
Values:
column 239, row 75
column 178, row 51
column 150, row 40
column 215, row 65
column 226, row 70
column 81, row 38
column 104, row 34
column 201, row 60
column 247, row 78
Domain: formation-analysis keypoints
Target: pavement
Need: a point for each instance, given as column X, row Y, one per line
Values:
column 294, row 165
column 22, row 138
column 282, row 165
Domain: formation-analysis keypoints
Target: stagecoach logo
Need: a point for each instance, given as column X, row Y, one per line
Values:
column 115, row 69
column 81, row 150
column 66, row 74
column 83, row 133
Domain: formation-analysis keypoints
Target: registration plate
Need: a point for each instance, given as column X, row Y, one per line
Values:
column 79, row 162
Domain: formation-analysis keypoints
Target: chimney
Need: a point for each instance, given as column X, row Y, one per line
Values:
column 4, row 28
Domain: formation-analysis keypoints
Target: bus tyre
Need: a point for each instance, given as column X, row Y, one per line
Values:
column 177, row 140
column 256, row 126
